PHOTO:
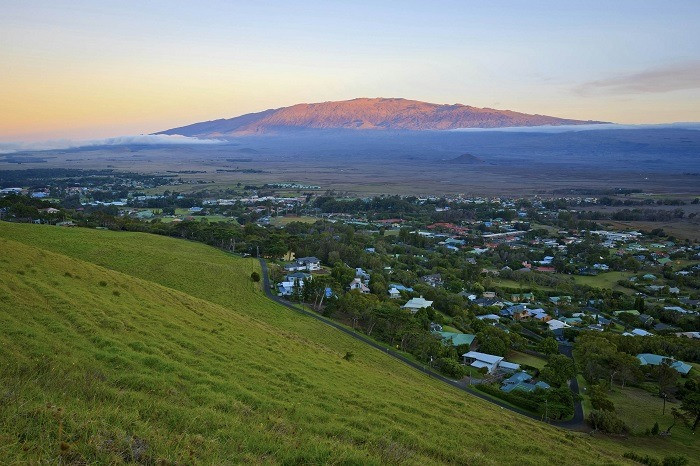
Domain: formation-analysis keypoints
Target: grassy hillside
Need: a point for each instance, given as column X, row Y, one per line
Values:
column 132, row 347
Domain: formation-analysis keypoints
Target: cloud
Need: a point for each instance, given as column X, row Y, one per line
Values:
column 662, row 79
column 576, row 128
column 141, row 140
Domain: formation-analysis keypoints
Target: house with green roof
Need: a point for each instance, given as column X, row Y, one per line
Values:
column 648, row 359
column 456, row 339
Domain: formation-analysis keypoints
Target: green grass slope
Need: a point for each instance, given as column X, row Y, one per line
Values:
column 131, row 347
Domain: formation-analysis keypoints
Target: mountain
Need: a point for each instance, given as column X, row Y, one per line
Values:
column 466, row 159
column 368, row 114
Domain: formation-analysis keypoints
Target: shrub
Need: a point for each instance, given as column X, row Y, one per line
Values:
column 608, row 422
column 655, row 429
column 103, row 283
column 255, row 276
column 450, row 368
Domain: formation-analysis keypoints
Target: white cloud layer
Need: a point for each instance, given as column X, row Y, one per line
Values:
column 591, row 127
column 141, row 140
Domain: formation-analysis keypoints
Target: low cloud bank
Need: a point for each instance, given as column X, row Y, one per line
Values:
column 140, row 140
column 591, row 127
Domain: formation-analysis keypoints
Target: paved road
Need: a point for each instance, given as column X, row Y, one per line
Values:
column 575, row 423
column 578, row 421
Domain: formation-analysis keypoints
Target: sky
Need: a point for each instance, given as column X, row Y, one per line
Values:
column 91, row 69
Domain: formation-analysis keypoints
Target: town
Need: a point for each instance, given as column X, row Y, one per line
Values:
column 536, row 303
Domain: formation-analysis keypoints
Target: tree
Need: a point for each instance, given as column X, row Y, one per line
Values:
column 666, row 376
column 558, row 370
column 255, row 276
column 493, row 340
column 691, row 405
column 548, row 346
column 599, row 398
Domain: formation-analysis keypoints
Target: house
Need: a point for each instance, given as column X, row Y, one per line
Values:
column 357, row 284
column 517, row 312
column 433, row 279
column 603, row 267
column 560, row 299
column 633, row 312
column 489, row 361
column 540, row 314
column 49, row 210
column 493, row 317
column 456, row 339
column 649, row 276
column 646, row 319
column 555, row 324
column 572, row 320
column 305, row 263
column 525, row 386
column 677, row 309
column 291, row 282
column 660, row 327
column 416, row 304
column 488, row 294
column 638, row 332
column 395, row 290
column 522, row 297
column 692, row 335
column 359, row 273
column 648, row 359
column 486, row 302
column 311, row 263
column 522, row 381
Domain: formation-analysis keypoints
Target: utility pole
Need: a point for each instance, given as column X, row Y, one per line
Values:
column 663, row 411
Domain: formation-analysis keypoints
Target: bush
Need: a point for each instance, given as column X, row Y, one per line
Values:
column 655, row 429
column 607, row 422
column 255, row 276
column 450, row 368
column 648, row 460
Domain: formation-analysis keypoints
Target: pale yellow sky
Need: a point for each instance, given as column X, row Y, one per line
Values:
column 85, row 70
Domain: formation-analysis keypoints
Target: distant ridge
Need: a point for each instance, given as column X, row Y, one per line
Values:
column 368, row 114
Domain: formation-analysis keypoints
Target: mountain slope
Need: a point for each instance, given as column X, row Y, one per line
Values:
column 132, row 347
column 368, row 114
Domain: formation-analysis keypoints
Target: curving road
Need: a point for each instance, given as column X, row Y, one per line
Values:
column 576, row 423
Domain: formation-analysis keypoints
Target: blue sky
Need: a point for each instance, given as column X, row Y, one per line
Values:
column 95, row 69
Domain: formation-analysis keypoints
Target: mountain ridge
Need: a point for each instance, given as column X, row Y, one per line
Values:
column 368, row 114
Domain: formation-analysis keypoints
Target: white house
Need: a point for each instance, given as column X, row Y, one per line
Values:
column 305, row 263
column 555, row 324
column 638, row 332
column 357, row 284
column 416, row 304
column 489, row 361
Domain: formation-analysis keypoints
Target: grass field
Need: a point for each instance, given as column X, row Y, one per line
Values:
column 507, row 283
column 604, row 280
column 524, row 358
column 119, row 347
column 640, row 409
column 281, row 221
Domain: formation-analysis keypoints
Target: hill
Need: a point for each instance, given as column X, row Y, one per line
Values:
column 132, row 347
column 368, row 114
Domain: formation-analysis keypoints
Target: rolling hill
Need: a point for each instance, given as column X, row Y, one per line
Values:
column 128, row 347
column 368, row 114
